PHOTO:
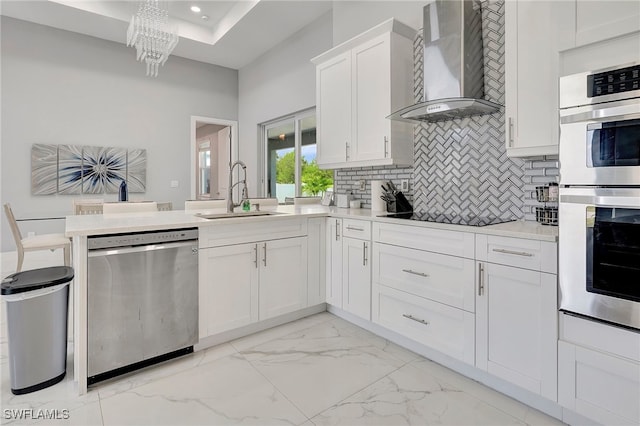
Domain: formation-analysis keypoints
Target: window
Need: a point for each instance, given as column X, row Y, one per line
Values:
column 290, row 159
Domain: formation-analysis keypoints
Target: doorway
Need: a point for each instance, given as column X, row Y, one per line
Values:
column 213, row 147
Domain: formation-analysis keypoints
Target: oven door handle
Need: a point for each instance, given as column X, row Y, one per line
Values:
column 143, row 248
column 623, row 110
column 601, row 201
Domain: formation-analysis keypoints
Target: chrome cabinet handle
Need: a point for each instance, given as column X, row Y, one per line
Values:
column 346, row 150
column 517, row 253
column 411, row 317
column 353, row 228
column 386, row 147
column 510, row 131
column 480, row 282
column 255, row 259
column 264, row 259
column 409, row 271
column 364, row 253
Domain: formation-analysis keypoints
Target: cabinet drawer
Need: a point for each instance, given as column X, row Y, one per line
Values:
column 603, row 337
column 356, row 229
column 436, row 240
column 441, row 327
column 442, row 278
column 521, row 253
column 251, row 230
column 598, row 386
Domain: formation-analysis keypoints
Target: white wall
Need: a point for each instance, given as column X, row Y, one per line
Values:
column 351, row 18
column 280, row 82
column 60, row 87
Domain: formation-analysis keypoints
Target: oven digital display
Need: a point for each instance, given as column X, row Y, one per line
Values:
column 615, row 81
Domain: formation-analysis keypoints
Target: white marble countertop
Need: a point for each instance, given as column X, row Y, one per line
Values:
column 84, row 225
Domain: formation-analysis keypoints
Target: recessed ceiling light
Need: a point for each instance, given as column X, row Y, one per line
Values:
column 205, row 17
column 195, row 9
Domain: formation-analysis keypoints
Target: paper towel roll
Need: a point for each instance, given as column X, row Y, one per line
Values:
column 377, row 203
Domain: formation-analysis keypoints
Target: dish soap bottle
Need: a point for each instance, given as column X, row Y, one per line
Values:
column 123, row 193
column 246, row 205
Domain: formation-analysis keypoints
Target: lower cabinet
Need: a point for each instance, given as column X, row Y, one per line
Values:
column 516, row 326
column 333, row 271
column 599, row 371
column 356, row 277
column 245, row 283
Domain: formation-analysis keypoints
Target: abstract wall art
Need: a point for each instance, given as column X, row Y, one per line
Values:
column 73, row 169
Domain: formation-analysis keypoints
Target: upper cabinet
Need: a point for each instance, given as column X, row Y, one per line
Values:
column 358, row 84
column 587, row 21
column 531, row 78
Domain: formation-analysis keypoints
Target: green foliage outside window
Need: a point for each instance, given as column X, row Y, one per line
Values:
column 314, row 180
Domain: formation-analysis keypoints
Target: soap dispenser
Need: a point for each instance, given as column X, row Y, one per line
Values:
column 123, row 193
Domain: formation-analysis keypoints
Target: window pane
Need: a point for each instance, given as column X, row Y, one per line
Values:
column 314, row 180
column 280, row 158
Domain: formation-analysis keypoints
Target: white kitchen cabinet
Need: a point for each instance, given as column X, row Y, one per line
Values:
column 586, row 21
column 358, row 84
column 244, row 283
column 282, row 276
column 599, row 371
column 516, row 335
column 531, row 78
column 316, row 242
column 228, row 288
column 333, row 271
column 356, row 277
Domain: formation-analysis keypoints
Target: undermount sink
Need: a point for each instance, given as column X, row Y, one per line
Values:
column 235, row 214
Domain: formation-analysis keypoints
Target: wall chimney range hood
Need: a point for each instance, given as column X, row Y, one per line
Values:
column 453, row 64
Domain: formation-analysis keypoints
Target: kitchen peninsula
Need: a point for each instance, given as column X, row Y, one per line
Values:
column 293, row 242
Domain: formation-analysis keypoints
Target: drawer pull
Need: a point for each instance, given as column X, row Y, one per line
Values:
column 421, row 274
column 517, row 253
column 480, row 276
column 411, row 317
column 353, row 228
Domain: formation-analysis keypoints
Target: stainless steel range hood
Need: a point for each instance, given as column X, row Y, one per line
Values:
column 453, row 64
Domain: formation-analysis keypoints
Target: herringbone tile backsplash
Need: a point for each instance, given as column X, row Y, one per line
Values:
column 461, row 165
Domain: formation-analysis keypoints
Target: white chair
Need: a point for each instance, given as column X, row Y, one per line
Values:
column 306, row 200
column 37, row 242
column 165, row 206
column 80, row 208
column 205, row 204
column 130, row 207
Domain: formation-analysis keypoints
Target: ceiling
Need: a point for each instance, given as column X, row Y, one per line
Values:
column 234, row 35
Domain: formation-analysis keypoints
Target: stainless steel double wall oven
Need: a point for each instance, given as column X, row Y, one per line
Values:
column 599, row 209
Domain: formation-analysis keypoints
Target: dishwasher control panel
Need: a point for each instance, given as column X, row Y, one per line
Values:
column 141, row 238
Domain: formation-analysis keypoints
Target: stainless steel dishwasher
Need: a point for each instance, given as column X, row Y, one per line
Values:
column 142, row 300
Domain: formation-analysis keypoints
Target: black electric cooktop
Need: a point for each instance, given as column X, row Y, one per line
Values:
column 454, row 219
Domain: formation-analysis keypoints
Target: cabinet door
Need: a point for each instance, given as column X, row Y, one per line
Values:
column 516, row 326
column 283, row 276
column 333, row 111
column 531, row 79
column 316, row 261
column 228, row 288
column 356, row 277
column 371, row 71
column 334, row 262
column 601, row 20
column 599, row 386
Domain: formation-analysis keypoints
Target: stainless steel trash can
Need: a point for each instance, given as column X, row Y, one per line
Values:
column 36, row 304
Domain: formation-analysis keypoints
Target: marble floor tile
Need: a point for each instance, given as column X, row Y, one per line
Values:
column 410, row 396
column 317, row 367
column 169, row 368
column 226, row 391
column 88, row 414
column 255, row 339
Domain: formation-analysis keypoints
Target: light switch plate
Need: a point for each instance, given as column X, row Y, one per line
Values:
column 174, row 183
column 404, row 185
column 363, row 184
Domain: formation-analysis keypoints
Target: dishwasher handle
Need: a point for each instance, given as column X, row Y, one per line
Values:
column 144, row 248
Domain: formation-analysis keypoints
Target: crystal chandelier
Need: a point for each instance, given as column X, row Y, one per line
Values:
column 149, row 32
